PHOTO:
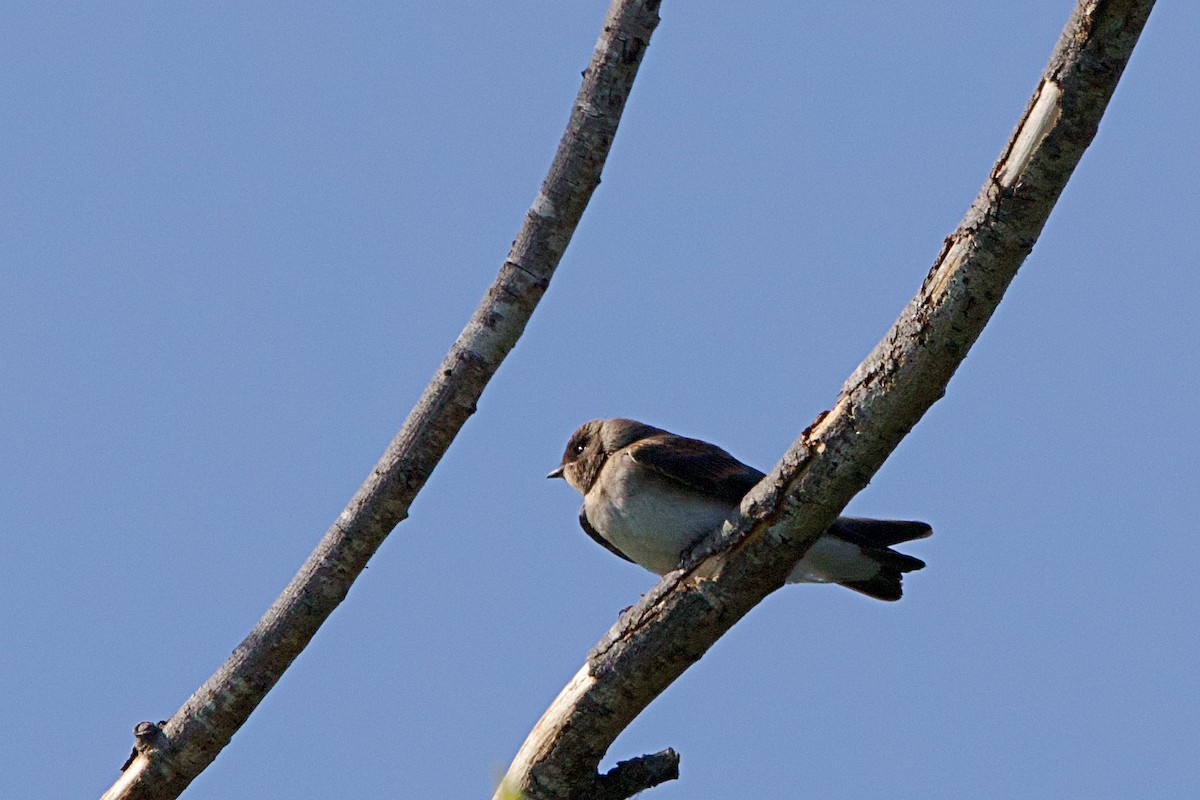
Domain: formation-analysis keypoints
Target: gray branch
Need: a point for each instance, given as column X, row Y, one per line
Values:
column 165, row 763
column 653, row 642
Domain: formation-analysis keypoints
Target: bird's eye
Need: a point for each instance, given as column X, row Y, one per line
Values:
column 577, row 449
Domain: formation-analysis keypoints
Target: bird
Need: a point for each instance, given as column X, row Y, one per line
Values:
column 650, row 496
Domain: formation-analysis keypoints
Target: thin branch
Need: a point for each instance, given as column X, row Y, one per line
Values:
column 628, row 778
column 676, row 622
column 189, row 741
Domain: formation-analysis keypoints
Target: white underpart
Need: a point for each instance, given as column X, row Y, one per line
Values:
column 652, row 527
column 655, row 528
column 832, row 560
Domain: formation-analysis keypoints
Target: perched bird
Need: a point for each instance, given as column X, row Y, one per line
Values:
column 649, row 496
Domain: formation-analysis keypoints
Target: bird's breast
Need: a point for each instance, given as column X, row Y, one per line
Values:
column 650, row 519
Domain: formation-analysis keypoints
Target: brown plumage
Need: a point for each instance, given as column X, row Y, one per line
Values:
column 650, row 496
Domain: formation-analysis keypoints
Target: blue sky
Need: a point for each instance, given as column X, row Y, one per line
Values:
column 238, row 239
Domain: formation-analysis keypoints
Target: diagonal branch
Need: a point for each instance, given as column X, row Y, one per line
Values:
column 164, row 765
column 653, row 642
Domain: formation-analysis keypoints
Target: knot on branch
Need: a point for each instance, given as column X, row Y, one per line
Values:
column 148, row 738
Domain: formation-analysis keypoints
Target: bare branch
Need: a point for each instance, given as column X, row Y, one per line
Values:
column 168, row 761
column 628, row 778
column 675, row 623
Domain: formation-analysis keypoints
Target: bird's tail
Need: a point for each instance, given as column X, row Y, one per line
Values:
column 875, row 537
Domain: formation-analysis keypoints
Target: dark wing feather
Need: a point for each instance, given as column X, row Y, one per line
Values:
column 697, row 465
column 880, row 533
column 595, row 534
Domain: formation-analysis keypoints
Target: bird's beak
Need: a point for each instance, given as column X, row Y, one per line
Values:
column 558, row 473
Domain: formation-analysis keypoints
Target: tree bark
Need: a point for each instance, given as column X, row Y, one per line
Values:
column 653, row 642
column 169, row 756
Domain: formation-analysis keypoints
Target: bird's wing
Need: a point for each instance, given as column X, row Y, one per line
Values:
column 878, row 533
column 698, row 465
column 595, row 534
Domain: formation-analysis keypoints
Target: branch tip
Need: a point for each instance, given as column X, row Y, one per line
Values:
column 628, row 778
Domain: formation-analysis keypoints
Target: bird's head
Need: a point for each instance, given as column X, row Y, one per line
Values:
column 590, row 446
